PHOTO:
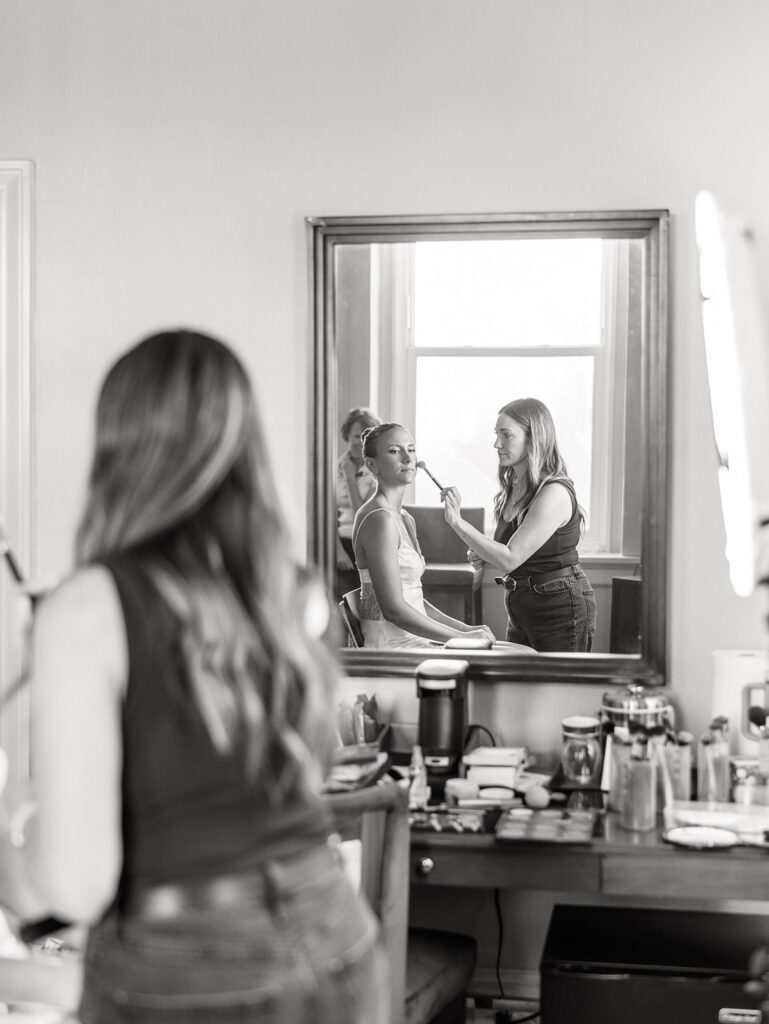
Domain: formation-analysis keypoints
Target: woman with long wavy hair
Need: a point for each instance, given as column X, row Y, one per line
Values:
column 182, row 710
column 550, row 603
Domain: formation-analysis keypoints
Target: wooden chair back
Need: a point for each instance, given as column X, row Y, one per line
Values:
column 378, row 816
column 349, row 606
column 437, row 540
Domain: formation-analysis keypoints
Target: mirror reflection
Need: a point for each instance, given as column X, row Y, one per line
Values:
column 446, row 338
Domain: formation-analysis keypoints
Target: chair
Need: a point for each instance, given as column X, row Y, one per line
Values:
column 446, row 556
column 430, row 971
column 349, row 606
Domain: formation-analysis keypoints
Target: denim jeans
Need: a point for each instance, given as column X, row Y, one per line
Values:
column 558, row 615
column 305, row 951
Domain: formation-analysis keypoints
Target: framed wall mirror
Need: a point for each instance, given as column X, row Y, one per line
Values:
column 436, row 322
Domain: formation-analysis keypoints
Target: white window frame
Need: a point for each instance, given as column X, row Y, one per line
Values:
column 16, row 444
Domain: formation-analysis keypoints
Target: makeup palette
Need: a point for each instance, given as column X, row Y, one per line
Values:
column 550, row 825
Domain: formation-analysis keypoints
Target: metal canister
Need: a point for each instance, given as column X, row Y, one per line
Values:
column 623, row 711
column 643, row 705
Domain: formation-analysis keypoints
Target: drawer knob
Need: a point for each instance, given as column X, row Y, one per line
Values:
column 425, row 865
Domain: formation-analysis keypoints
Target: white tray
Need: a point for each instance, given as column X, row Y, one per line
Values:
column 745, row 820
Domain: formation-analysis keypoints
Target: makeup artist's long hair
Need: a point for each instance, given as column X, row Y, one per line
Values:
column 181, row 476
column 545, row 463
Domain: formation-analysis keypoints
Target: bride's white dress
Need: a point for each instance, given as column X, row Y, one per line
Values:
column 377, row 631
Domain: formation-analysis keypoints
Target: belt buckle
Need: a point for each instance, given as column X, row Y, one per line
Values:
column 509, row 582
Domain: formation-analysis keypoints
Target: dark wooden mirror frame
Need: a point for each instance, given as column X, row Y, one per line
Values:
column 650, row 226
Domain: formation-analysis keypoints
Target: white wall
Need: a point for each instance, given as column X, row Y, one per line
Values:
column 180, row 143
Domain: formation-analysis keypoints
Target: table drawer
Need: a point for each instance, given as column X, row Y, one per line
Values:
column 501, row 867
column 693, row 875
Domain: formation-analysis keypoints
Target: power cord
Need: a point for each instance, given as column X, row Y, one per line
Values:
column 500, row 939
column 479, row 728
column 505, row 1016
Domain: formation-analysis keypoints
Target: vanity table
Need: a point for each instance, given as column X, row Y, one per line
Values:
column 620, row 863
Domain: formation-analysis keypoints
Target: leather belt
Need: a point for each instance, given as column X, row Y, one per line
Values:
column 165, row 902
column 221, row 892
column 522, row 582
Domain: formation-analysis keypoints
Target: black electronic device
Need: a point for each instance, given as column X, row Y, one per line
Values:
column 442, row 724
column 635, row 965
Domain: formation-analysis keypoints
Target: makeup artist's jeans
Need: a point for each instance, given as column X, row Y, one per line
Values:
column 558, row 615
column 307, row 951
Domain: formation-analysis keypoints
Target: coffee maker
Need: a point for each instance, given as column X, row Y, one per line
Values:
column 442, row 724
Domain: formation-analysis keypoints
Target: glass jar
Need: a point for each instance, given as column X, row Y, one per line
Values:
column 638, row 804
column 678, row 758
column 581, row 749
column 712, row 768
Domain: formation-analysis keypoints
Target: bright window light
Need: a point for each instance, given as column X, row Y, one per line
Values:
column 509, row 293
column 457, row 402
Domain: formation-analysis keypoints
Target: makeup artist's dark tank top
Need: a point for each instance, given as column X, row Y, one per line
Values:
column 188, row 811
column 558, row 551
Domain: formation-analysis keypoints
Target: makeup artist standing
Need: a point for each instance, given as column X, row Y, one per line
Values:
column 550, row 603
column 183, row 718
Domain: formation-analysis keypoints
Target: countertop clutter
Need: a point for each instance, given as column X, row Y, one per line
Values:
column 628, row 764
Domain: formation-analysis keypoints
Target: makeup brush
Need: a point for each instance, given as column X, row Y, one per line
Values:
column 423, row 465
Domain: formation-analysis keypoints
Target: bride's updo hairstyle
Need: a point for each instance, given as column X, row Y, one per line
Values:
column 181, row 476
column 370, row 438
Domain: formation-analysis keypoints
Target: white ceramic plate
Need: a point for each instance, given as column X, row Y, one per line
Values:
column 701, row 837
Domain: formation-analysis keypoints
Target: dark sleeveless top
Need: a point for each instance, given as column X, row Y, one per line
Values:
column 558, row 551
column 188, row 811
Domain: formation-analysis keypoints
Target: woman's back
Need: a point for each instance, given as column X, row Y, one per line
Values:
column 183, row 717
column 188, row 810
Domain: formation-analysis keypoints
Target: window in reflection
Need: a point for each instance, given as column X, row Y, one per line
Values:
column 458, row 329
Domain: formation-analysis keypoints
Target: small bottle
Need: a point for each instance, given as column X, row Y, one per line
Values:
column 419, row 791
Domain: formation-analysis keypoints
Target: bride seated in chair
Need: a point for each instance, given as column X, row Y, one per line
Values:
column 393, row 611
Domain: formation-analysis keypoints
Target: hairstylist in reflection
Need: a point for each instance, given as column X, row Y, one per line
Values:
column 549, row 600
column 354, row 482
column 393, row 610
column 182, row 721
